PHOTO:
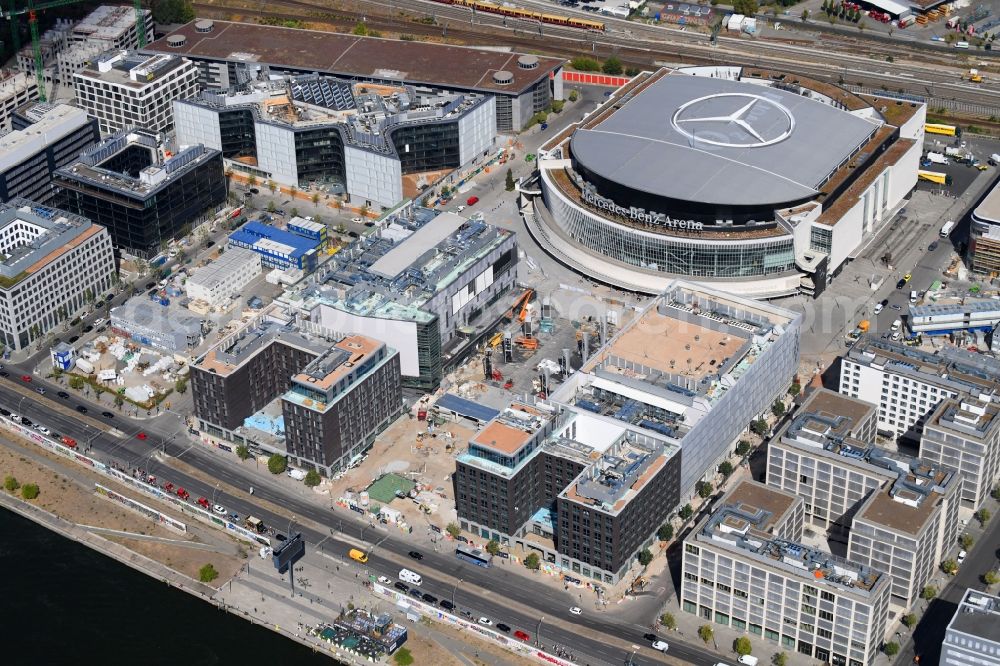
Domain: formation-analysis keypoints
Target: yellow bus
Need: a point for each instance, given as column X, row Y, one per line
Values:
column 947, row 130
column 934, row 177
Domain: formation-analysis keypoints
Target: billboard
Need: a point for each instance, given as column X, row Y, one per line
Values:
column 289, row 552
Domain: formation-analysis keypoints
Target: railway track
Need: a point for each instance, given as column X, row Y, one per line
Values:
column 644, row 45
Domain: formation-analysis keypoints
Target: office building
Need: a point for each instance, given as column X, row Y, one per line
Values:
column 332, row 406
column 52, row 262
column 745, row 568
column 522, row 84
column 963, row 435
column 51, row 43
column 907, row 384
column 144, row 197
column 377, row 145
column 45, row 137
column 584, row 491
column 16, row 90
column 158, row 324
column 696, row 366
column 983, row 253
column 428, row 285
column 973, row 635
column 340, row 402
column 978, row 315
column 278, row 248
column 123, row 89
column 218, row 283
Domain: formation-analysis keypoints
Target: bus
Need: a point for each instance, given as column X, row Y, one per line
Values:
column 474, row 556
column 934, row 177
column 937, row 128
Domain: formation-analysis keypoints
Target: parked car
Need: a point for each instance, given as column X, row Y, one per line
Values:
column 219, row 509
column 522, row 635
column 485, row 621
column 204, row 503
column 447, row 605
column 503, row 627
column 26, row 378
column 183, row 494
column 661, row 646
column 402, row 587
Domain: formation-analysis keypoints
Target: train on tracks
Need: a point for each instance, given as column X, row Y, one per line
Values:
column 522, row 13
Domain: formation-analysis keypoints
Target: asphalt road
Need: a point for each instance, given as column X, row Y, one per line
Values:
column 496, row 593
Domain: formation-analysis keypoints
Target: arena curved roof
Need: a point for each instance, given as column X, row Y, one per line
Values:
column 721, row 142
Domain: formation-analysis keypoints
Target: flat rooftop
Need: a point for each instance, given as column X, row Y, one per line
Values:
column 233, row 351
column 32, row 236
column 751, row 495
column 424, row 239
column 56, row 122
column 974, row 418
column 337, row 362
column 722, row 142
column 978, row 615
column 353, row 56
column 988, row 209
column 853, row 411
column 899, row 508
column 512, row 429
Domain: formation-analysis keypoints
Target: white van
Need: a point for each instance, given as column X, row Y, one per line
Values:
column 896, row 325
column 410, row 577
column 913, row 296
column 748, row 660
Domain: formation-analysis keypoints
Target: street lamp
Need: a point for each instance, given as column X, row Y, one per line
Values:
column 215, row 493
column 455, row 589
column 288, row 532
column 538, row 631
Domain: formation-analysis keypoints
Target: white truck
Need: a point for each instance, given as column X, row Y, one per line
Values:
column 945, row 231
column 937, row 158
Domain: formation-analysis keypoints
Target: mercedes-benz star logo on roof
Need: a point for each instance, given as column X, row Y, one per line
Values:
column 734, row 120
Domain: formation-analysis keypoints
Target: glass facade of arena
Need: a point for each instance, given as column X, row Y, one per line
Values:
column 702, row 257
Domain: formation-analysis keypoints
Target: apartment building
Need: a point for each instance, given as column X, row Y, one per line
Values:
column 16, row 90
column 340, row 402
column 908, row 384
column 332, row 406
column 973, row 635
column 144, row 195
column 45, row 137
column 963, row 435
column 745, row 568
column 122, row 89
column 585, row 492
column 50, row 260
column 695, row 366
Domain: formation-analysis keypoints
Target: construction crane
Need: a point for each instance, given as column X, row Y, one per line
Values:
column 32, row 9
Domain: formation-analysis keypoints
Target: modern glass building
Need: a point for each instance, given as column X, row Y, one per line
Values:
column 753, row 182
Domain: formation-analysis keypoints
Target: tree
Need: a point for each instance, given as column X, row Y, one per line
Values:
column 928, row 593
column 402, row 657
column 312, row 479
column 795, row 388
column 666, row 532
column 207, row 573
column 804, row 15
column 747, row 7
column 251, row 180
column 686, row 512
column 493, row 547
column 950, row 567
column 532, row 561
column 510, row 184
column 725, row 468
column 891, row 649
column 295, row 211
column 909, row 620
column 573, row 95
column 119, row 401
column 277, row 463
column 315, row 197
column 29, row 491
column 271, row 185
column 780, row 659
column 172, row 11
column 778, row 408
column 668, row 621
column 10, row 484
column 991, row 577
column 704, row 489
column 743, row 646
column 612, row 66
column 758, row 427
column 181, row 386
column 76, row 383
column 453, row 529
column 271, row 207
column 966, row 541
column 242, row 451
column 585, row 64
column 88, row 295
column 705, row 632
column 995, row 493
column 983, row 516
column 743, row 448
column 645, row 557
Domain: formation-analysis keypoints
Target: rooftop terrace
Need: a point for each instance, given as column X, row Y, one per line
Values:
column 235, row 350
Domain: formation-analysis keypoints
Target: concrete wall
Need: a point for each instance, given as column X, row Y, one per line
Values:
column 276, row 153
column 476, row 130
column 195, row 124
column 400, row 335
column 373, row 177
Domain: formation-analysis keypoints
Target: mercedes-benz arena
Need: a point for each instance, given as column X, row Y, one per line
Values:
column 760, row 183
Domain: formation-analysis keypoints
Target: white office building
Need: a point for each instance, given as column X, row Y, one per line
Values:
column 964, row 435
column 908, row 384
column 126, row 90
column 220, row 281
column 973, row 635
column 52, row 261
column 745, row 568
